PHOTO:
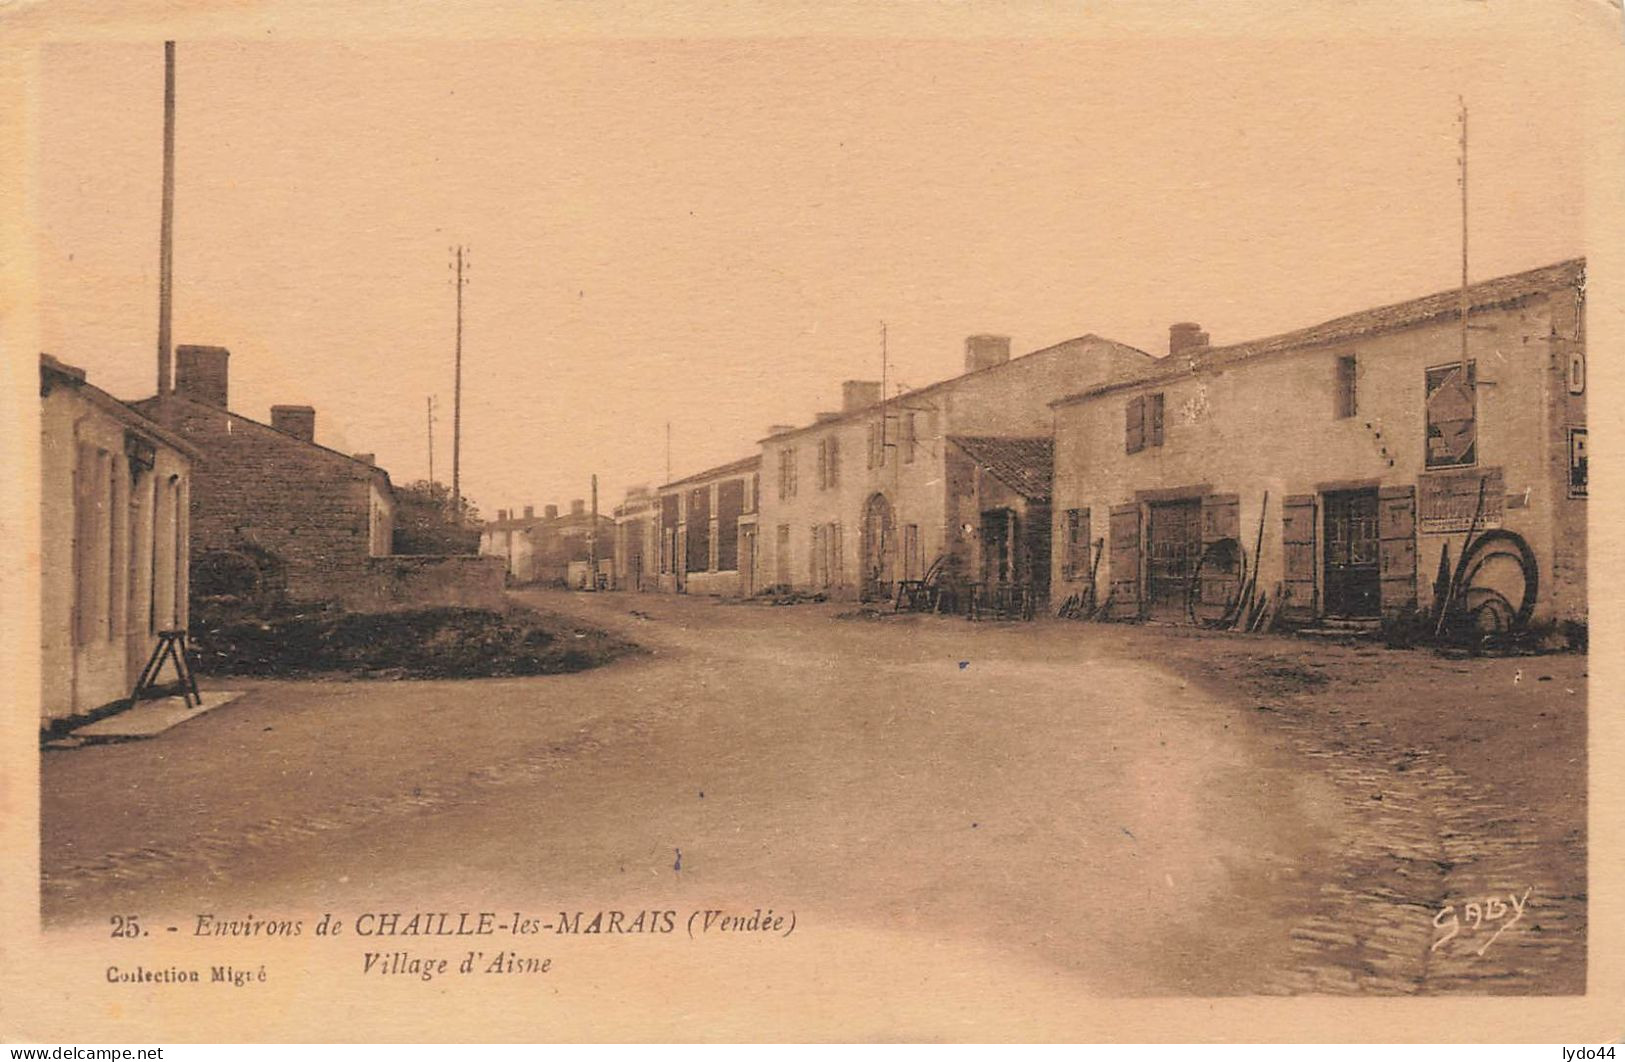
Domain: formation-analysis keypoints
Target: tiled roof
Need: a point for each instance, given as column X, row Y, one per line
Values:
column 1487, row 294
column 1025, row 464
column 1100, row 343
column 732, row 468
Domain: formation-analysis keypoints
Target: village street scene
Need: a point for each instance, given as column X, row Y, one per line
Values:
column 1167, row 636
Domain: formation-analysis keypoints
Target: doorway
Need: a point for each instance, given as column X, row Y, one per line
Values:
column 1353, row 576
column 1176, row 546
column 878, row 548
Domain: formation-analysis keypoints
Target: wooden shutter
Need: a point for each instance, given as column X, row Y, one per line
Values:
column 1221, row 519
column 1298, row 600
column 1396, row 522
column 1125, row 558
column 1134, row 426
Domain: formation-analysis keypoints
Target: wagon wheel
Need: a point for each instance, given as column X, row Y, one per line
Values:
column 1216, row 552
column 1486, row 550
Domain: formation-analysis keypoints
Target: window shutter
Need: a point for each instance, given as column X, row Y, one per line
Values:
column 1221, row 519
column 1298, row 600
column 1134, row 426
column 834, row 460
column 1396, row 521
column 1125, row 558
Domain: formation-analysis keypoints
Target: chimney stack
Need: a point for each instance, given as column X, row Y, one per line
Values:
column 578, row 506
column 859, row 394
column 780, row 429
column 1186, row 335
column 502, row 516
column 200, row 374
column 298, row 421
column 366, row 458
column 986, row 351
column 550, row 512
column 530, row 512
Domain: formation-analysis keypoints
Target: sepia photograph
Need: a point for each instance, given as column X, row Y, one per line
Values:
column 930, row 524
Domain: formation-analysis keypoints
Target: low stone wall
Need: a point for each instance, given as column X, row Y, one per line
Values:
column 401, row 582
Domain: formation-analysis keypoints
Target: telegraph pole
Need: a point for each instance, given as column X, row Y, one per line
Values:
column 592, row 540
column 166, row 225
column 431, row 440
column 668, row 451
column 457, row 394
column 1466, row 382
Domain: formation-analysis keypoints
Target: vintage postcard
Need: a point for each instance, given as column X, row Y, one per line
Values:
column 805, row 522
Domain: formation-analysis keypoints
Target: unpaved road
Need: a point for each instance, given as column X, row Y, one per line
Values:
column 991, row 822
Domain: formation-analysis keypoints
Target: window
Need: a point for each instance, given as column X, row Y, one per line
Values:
column 668, row 533
column 829, row 462
column 1347, row 398
column 877, row 444
column 730, row 504
column 911, row 437
column 697, row 529
column 1075, row 558
column 1452, row 416
column 787, row 472
column 1142, row 423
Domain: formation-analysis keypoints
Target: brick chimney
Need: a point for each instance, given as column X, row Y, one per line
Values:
column 550, row 512
column 366, row 458
column 985, row 351
column 780, row 429
column 859, row 394
column 1184, row 336
column 530, row 512
column 200, row 374
column 502, row 516
column 578, row 506
column 298, row 421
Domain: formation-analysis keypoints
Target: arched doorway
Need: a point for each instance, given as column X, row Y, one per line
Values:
column 879, row 548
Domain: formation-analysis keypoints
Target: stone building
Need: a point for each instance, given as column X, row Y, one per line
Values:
column 552, row 549
column 637, row 540
column 114, row 491
column 509, row 537
column 270, row 506
column 1373, row 449
column 704, row 528
column 883, row 491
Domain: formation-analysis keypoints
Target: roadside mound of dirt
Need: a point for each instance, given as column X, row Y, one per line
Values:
column 415, row 644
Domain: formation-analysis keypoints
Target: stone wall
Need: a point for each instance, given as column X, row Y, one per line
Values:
column 389, row 584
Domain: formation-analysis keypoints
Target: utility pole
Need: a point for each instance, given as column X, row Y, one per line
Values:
column 166, row 226
column 457, row 394
column 431, row 441
column 668, row 451
column 1465, row 380
column 592, row 540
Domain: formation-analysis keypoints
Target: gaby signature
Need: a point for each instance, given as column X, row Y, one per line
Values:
column 1493, row 910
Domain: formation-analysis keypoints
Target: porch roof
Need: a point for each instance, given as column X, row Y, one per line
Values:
column 1024, row 463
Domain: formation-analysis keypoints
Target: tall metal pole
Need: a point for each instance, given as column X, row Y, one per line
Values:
column 430, row 401
column 166, row 225
column 1466, row 382
column 457, row 402
column 592, row 540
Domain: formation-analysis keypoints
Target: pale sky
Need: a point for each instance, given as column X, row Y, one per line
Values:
column 710, row 232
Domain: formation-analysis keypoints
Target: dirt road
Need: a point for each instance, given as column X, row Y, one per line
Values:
column 1064, row 810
